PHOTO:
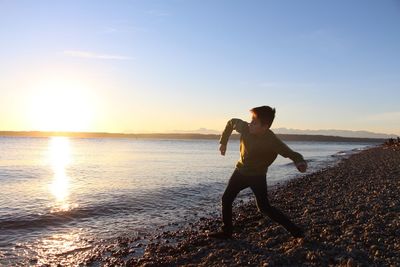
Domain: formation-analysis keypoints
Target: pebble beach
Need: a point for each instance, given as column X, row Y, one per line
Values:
column 350, row 213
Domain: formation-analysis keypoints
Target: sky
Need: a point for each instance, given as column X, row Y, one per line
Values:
column 180, row 65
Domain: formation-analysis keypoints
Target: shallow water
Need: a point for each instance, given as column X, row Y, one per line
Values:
column 60, row 195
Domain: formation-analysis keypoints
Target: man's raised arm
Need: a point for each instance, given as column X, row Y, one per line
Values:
column 233, row 124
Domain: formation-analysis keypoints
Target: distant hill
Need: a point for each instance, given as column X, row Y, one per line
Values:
column 342, row 133
column 286, row 137
column 332, row 132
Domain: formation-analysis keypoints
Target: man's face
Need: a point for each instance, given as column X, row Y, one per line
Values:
column 255, row 126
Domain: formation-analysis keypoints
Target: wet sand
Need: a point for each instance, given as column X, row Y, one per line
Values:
column 351, row 214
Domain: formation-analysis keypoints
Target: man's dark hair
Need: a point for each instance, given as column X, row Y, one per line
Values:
column 265, row 114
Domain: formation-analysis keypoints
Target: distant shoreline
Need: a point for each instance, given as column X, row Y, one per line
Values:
column 190, row 136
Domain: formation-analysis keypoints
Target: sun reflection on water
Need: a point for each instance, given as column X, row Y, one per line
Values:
column 62, row 249
column 60, row 158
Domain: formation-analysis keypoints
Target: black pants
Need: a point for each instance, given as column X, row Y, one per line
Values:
column 258, row 184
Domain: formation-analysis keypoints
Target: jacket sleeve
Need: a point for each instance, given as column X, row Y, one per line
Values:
column 233, row 124
column 283, row 150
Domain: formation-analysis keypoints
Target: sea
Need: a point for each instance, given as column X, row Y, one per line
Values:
column 60, row 194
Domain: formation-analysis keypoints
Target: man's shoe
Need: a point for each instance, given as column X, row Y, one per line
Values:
column 220, row 235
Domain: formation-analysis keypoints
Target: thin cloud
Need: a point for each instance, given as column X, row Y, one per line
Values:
column 123, row 29
column 110, row 30
column 158, row 13
column 92, row 55
column 282, row 85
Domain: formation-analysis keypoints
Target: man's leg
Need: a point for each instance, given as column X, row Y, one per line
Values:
column 259, row 187
column 235, row 185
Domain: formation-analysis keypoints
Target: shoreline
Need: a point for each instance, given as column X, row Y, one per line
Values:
column 349, row 211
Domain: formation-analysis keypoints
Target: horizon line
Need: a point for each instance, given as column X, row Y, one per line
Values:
column 77, row 134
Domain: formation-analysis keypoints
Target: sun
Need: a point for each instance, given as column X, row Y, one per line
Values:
column 60, row 106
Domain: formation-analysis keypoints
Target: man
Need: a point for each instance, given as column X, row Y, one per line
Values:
column 259, row 147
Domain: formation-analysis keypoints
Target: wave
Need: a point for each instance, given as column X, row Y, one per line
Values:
column 346, row 153
column 163, row 199
column 291, row 164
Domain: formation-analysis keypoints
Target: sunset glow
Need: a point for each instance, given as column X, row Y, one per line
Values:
column 162, row 67
column 60, row 106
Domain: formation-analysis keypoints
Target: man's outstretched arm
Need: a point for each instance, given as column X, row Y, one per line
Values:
column 233, row 124
column 283, row 150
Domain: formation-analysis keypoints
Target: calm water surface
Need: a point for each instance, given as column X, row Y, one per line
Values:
column 61, row 194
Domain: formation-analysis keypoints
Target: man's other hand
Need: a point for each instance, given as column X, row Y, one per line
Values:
column 301, row 166
column 222, row 149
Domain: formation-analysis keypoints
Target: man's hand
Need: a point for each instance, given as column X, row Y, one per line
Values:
column 222, row 149
column 301, row 166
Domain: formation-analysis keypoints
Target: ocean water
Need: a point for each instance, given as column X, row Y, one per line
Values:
column 62, row 194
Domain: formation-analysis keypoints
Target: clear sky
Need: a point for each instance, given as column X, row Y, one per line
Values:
column 160, row 66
